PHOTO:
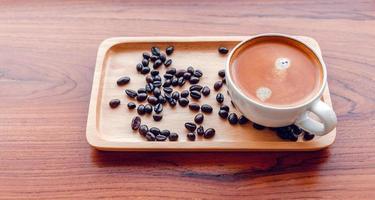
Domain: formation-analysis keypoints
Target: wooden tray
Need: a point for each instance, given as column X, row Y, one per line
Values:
column 109, row 129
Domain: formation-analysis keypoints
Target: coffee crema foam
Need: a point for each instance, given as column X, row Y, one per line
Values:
column 276, row 71
column 263, row 93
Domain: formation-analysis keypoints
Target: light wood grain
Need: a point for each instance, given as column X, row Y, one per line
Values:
column 47, row 60
column 109, row 129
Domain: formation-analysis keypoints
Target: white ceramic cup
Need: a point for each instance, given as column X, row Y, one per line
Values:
column 282, row 116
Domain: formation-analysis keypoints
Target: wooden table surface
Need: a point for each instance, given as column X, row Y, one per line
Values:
column 47, row 55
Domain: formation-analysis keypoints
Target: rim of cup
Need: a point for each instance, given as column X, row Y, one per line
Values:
column 315, row 53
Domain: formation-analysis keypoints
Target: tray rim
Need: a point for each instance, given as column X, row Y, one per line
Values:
column 92, row 134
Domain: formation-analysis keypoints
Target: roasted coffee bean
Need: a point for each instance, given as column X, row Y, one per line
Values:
column 131, row 93
column 153, row 58
column 223, row 50
column 191, row 136
column 139, row 67
column 198, row 73
column 154, row 73
column 161, row 99
column 168, row 76
column 180, row 72
column 190, row 69
column 200, row 130
column 157, row 117
column 293, row 137
column 146, row 55
column 114, row 103
column 145, row 62
column 158, row 108
column 143, row 129
column 155, row 51
column 167, row 90
column 183, row 102
column 174, row 81
column 168, row 62
column 195, row 88
column 295, row 129
column 155, row 131
column 141, row 97
column 149, row 87
column 169, row 50
column 148, row 108
column 172, row 102
column 157, row 84
column 223, row 114
column 157, row 64
column 156, row 92
column 282, row 133
column 165, row 133
column 145, row 70
column 258, row 126
column 160, row 138
column 123, row 80
column 175, row 95
column 136, row 122
column 195, row 94
column 187, row 76
column 218, row 85
column 224, row 107
column 209, row 133
column 167, row 83
column 206, row 91
column 152, row 100
column 199, row 118
column 194, row 107
column 242, row 120
column 149, row 79
column 181, row 81
column 220, row 98
column 286, row 133
column 194, row 80
column 206, row 108
column 150, row 136
column 168, row 96
column 221, row 73
column 131, row 105
column 171, row 71
column 141, row 90
column 156, row 78
column 173, row 137
column 141, row 109
column 308, row 136
column 162, row 57
column 232, row 118
column 185, row 93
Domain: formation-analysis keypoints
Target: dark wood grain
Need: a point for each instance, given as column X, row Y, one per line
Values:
column 47, row 55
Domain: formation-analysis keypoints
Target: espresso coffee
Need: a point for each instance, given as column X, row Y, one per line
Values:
column 276, row 71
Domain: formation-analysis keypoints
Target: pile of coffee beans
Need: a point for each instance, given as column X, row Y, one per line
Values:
column 159, row 91
column 292, row 132
column 153, row 133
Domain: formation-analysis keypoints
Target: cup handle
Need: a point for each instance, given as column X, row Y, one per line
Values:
column 324, row 112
